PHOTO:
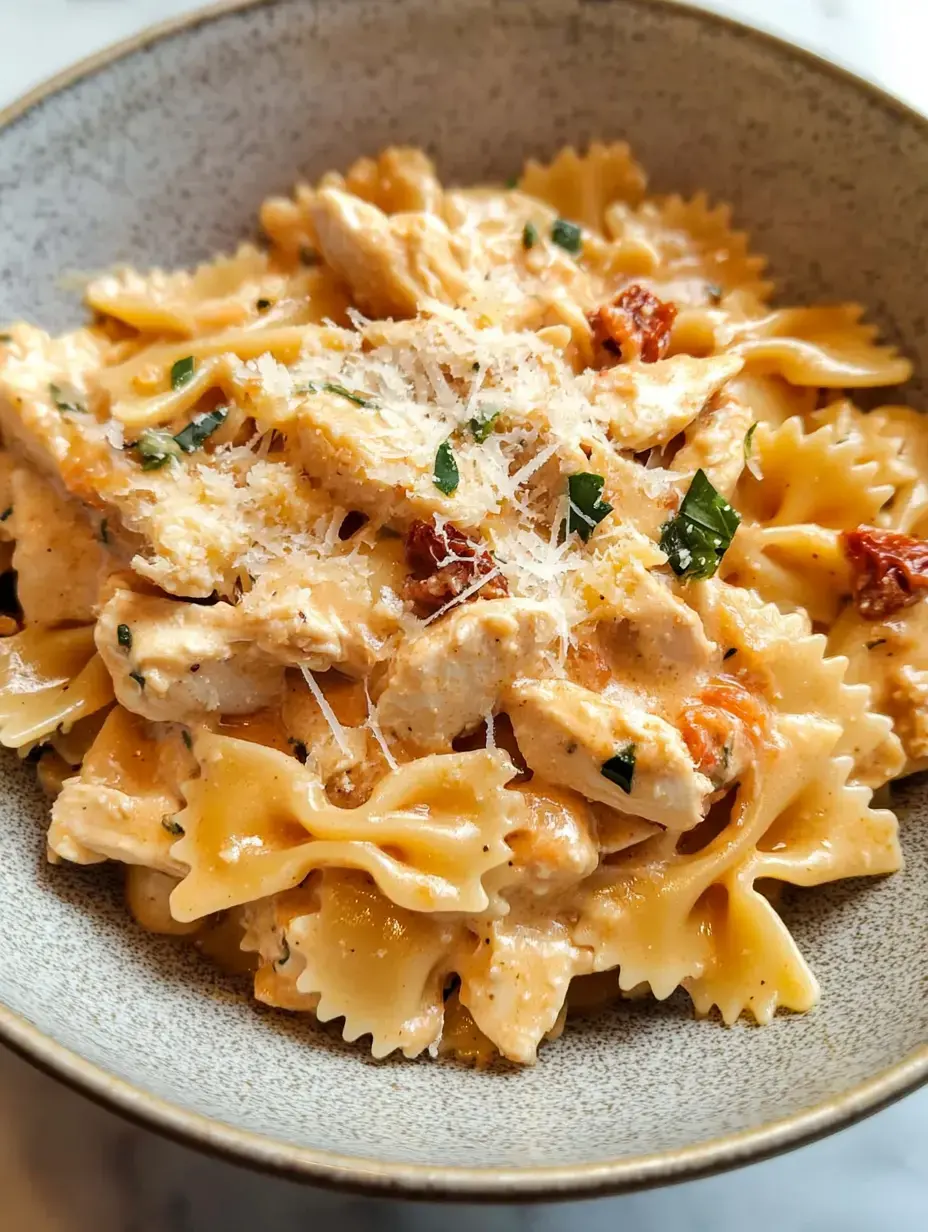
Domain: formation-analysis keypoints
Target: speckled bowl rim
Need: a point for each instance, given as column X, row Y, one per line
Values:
column 417, row 1180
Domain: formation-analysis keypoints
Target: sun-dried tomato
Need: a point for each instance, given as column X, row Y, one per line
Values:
column 444, row 564
column 890, row 570
column 713, row 722
column 635, row 325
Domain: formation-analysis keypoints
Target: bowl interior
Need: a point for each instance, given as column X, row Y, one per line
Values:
column 162, row 157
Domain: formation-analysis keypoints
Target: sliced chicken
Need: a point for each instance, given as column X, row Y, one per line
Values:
column 642, row 405
column 391, row 263
column 181, row 661
column 569, row 734
column 449, row 679
column 58, row 557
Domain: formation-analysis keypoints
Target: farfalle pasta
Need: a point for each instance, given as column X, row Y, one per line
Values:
column 474, row 603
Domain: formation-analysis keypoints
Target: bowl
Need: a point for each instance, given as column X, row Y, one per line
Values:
column 159, row 152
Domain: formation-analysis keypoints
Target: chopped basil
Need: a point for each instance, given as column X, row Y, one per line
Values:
column 300, row 751
column 187, row 738
column 880, row 641
column 172, row 826
column 530, row 236
column 620, row 768
column 124, row 636
column 587, row 508
column 182, row 372
column 512, row 182
column 199, row 428
column 483, row 424
column 65, row 402
column 699, row 536
column 446, row 475
column 567, row 235
column 331, row 387
column 732, row 650
column 6, row 513
column 104, row 532
column 138, row 678
column 262, row 305
column 284, row 952
column 749, row 460
column 475, row 366
column 156, row 446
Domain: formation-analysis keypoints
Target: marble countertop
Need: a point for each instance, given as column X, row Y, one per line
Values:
column 68, row 1166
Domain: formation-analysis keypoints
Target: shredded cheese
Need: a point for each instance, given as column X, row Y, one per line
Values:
column 338, row 732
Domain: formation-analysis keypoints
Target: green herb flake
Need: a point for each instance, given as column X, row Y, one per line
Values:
column 6, row 513
column 567, row 235
column 732, row 650
column 262, row 305
column 699, row 536
column 587, row 508
column 749, row 441
column 880, row 641
column 714, row 292
column 199, row 429
column 156, row 446
column 6, row 338
column 446, row 476
column 512, row 182
column 182, row 372
column 104, row 531
column 309, row 256
column 483, row 424
column 620, row 768
column 138, row 678
column 284, row 952
column 187, row 739
column 173, row 826
column 65, row 401
column 475, row 366
column 530, row 236
column 332, row 387
column 124, row 636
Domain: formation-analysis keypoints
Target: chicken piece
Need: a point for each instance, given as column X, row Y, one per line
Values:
column 181, row 661
column 641, row 405
column 122, row 805
column 342, row 611
column 391, row 263
column 714, row 442
column 569, row 734
column 58, row 557
column 44, row 394
column 557, row 848
column 449, row 679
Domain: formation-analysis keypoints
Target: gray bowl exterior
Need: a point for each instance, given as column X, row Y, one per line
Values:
column 162, row 156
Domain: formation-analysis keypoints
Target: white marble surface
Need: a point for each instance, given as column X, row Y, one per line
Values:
column 67, row 1166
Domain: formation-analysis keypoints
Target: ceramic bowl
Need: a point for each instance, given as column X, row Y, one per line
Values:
column 159, row 152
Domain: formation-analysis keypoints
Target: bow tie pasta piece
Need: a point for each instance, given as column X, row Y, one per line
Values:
column 581, row 187
column 828, row 347
column 696, row 257
column 257, row 822
column 642, row 405
column 380, row 967
column 449, row 679
column 514, row 979
column 48, row 678
column 124, row 802
column 570, row 734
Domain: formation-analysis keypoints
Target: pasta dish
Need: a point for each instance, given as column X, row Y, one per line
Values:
column 469, row 604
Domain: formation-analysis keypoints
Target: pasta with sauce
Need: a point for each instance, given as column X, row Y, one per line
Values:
column 472, row 602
